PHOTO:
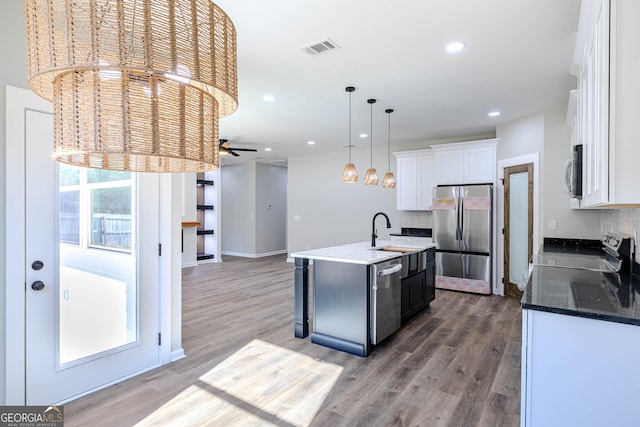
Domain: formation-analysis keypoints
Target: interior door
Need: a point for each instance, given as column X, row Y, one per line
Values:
column 518, row 227
column 91, row 273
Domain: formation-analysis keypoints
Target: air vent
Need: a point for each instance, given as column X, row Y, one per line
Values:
column 320, row 48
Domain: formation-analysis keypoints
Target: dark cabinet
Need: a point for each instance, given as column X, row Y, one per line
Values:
column 419, row 289
column 430, row 276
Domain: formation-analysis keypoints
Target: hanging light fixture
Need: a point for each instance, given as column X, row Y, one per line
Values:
column 350, row 174
column 389, row 181
column 137, row 85
column 371, row 177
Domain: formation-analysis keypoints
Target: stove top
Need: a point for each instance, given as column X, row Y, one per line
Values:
column 616, row 254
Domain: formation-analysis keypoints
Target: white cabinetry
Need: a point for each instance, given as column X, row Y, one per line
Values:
column 608, row 104
column 415, row 179
column 472, row 162
column 577, row 371
column 449, row 166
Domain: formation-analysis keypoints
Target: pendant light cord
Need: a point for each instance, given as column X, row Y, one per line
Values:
column 389, row 145
column 371, row 140
column 371, row 102
column 350, row 127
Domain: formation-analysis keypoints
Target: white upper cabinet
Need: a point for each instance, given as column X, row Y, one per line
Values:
column 608, row 106
column 472, row 162
column 418, row 171
column 449, row 165
column 415, row 180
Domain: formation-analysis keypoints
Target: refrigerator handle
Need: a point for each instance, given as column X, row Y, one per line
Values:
column 458, row 217
column 461, row 221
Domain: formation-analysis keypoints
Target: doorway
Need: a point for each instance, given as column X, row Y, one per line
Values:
column 518, row 227
column 82, row 284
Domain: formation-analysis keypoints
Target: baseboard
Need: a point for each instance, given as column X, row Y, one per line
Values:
column 178, row 354
column 189, row 264
column 262, row 255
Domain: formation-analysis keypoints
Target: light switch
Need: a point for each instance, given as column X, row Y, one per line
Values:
column 296, row 217
column 552, row 224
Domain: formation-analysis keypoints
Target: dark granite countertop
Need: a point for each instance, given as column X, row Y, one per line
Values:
column 598, row 295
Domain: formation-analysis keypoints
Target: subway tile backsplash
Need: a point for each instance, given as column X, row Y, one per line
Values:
column 416, row 219
column 623, row 221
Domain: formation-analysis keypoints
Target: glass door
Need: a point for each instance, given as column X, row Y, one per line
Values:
column 91, row 273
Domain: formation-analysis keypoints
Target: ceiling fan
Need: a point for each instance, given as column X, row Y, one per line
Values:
column 225, row 149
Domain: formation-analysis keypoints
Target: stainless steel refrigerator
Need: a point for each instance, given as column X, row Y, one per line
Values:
column 462, row 232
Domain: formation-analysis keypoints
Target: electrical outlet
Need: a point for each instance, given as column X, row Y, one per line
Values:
column 552, row 224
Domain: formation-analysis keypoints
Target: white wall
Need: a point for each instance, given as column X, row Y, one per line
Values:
column 238, row 209
column 271, row 209
column 189, row 236
column 570, row 222
column 332, row 213
column 546, row 133
column 13, row 72
column 249, row 227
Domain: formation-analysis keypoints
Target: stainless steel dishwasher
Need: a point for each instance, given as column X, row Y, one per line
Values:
column 385, row 299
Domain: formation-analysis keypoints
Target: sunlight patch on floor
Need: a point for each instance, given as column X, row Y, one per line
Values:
column 260, row 384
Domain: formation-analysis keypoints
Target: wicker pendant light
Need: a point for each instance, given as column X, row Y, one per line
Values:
column 371, row 177
column 350, row 174
column 389, row 181
column 137, row 85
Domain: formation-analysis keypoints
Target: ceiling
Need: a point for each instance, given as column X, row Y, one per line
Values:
column 516, row 61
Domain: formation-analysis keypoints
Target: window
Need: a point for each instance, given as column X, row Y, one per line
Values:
column 96, row 208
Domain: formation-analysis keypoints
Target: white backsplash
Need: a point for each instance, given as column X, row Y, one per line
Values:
column 417, row 219
column 623, row 221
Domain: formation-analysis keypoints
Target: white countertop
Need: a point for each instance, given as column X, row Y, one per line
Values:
column 361, row 252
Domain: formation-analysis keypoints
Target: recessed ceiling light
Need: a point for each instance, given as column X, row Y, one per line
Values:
column 455, row 47
column 269, row 98
column 363, row 135
column 267, row 149
column 494, row 114
column 311, row 142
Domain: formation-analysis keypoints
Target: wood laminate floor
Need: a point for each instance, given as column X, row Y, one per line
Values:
column 456, row 364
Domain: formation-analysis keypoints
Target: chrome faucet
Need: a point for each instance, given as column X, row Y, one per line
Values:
column 373, row 227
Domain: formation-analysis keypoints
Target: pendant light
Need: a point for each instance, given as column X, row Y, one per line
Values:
column 371, row 177
column 389, row 181
column 136, row 85
column 350, row 174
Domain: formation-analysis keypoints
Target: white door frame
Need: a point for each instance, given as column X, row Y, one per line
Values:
column 15, row 327
column 521, row 160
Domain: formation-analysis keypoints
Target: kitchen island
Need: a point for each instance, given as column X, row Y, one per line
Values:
column 580, row 344
column 345, row 293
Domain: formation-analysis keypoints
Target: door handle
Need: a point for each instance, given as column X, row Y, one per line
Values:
column 37, row 265
column 38, row 285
